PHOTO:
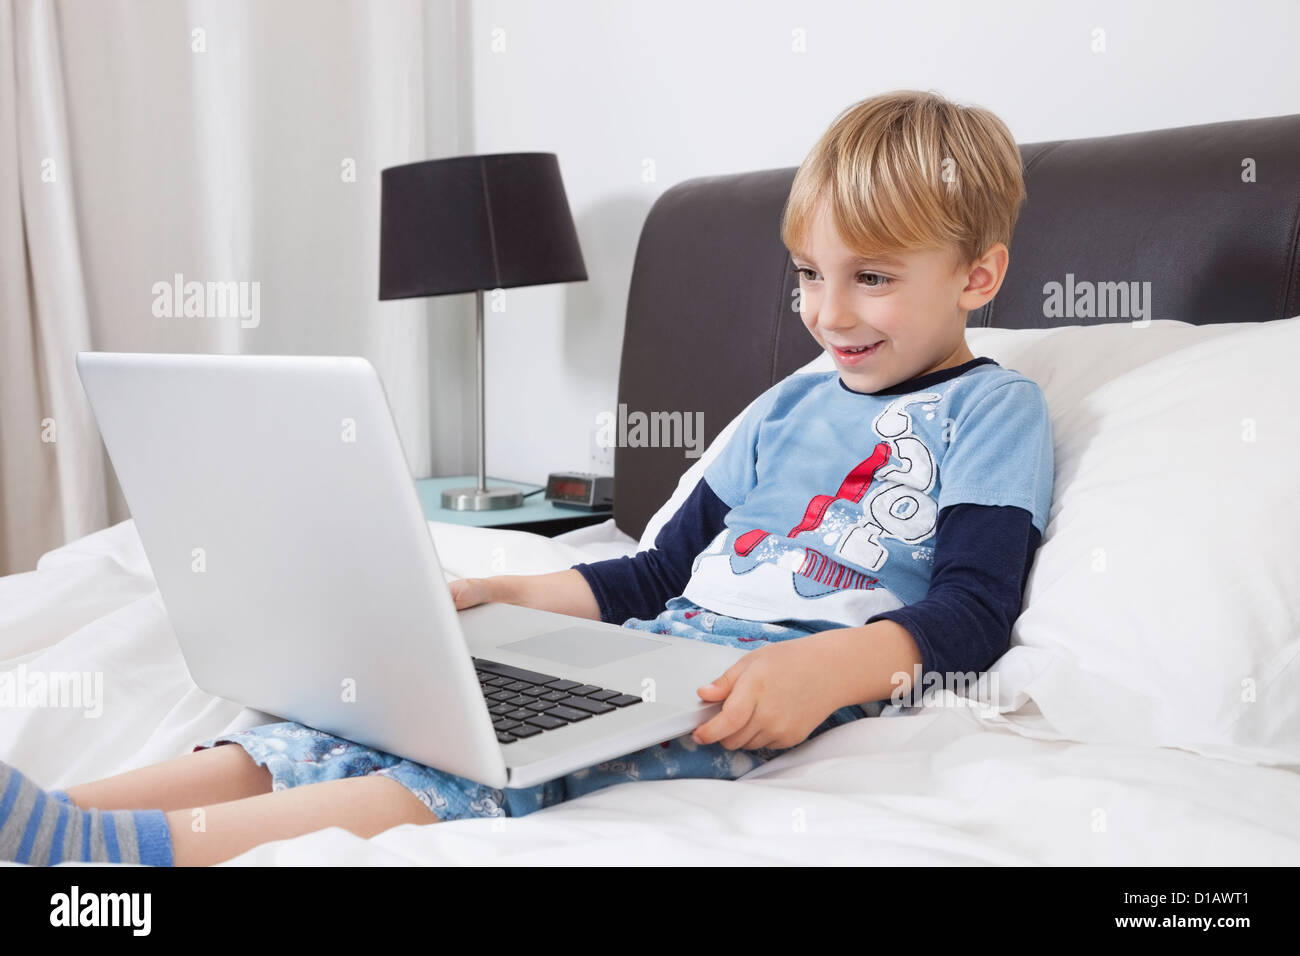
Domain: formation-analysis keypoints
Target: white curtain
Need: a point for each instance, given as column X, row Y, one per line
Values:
column 217, row 141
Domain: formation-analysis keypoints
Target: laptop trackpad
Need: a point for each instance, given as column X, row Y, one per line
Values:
column 584, row 646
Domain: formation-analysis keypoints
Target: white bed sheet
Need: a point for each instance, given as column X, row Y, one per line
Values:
column 941, row 786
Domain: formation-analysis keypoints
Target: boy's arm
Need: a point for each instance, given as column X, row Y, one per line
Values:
column 998, row 473
column 983, row 554
column 564, row 592
column 639, row 586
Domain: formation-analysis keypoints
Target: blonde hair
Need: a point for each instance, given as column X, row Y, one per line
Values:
column 909, row 170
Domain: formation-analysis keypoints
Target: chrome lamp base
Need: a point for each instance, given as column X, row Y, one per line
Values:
column 481, row 499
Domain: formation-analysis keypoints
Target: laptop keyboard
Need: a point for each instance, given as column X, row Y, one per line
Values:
column 525, row 703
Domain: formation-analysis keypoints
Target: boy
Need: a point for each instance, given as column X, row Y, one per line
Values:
column 859, row 524
column 893, row 506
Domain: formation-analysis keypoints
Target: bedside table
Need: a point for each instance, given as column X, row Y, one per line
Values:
column 536, row 514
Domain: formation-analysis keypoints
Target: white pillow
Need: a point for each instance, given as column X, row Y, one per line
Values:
column 1162, row 607
column 1166, row 591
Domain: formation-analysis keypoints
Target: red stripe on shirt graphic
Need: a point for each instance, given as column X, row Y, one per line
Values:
column 816, row 565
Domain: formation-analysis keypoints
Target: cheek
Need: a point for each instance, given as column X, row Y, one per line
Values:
column 890, row 321
column 807, row 312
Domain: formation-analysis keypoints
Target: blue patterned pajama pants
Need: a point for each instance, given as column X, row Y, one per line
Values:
column 297, row 755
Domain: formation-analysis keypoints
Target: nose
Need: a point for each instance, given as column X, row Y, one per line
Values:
column 833, row 312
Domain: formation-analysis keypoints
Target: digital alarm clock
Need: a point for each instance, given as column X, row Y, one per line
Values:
column 580, row 489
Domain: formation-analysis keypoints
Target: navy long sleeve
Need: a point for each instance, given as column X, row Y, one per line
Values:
column 640, row 586
column 983, row 554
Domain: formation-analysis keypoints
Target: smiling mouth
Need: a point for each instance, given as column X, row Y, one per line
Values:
column 848, row 351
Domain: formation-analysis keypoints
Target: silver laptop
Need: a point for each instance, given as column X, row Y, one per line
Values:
column 282, row 524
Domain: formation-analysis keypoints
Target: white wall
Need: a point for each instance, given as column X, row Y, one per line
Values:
column 704, row 88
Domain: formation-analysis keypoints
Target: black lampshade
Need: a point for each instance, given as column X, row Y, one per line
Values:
column 475, row 222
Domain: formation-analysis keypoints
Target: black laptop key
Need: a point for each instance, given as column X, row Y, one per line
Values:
column 591, row 706
column 540, row 701
column 568, row 713
column 514, row 673
column 545, row 721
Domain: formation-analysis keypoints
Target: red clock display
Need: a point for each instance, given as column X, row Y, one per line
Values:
column 571, row 489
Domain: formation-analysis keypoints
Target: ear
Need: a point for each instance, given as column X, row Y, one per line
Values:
column 984, row 277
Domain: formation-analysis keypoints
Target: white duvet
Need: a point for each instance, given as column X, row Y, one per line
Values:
column 937, row 786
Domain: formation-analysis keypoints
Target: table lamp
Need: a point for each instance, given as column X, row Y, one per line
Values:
column 469, row 224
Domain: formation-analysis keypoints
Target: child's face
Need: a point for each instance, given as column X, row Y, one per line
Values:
column 914, row 305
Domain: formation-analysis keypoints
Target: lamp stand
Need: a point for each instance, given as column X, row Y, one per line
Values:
column 481, row 498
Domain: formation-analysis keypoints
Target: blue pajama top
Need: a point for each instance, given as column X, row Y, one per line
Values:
column 922, row 503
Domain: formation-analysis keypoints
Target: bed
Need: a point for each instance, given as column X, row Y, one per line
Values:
column 1145, row 712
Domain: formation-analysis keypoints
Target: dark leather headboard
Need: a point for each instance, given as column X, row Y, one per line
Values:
column 710, row 322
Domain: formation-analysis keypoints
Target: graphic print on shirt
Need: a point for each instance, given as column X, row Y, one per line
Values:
column 836, row 547
column 817, row 573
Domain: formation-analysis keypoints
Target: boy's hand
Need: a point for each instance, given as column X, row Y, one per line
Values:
column 467, row 592
column 774, row 697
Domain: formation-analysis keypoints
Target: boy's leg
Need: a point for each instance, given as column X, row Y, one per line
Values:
column 215, row 775
column 365, row 806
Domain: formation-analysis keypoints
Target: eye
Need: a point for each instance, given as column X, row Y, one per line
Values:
column 880, row 282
